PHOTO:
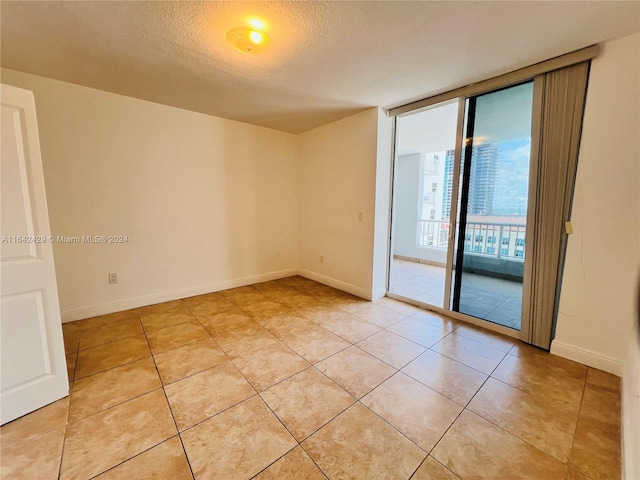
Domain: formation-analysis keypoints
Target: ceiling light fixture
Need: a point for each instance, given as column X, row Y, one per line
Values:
column 248, row 40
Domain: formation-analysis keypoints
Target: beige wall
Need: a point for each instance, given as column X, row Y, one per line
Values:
column 207, row 203
column 337, row 182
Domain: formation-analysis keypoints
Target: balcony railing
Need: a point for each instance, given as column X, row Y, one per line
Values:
column 501, row 240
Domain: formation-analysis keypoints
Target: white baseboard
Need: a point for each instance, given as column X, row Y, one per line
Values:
column 82, row 313
column 587, row 357
column 332, row 282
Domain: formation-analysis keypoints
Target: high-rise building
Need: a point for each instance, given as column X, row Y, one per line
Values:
column 483, row 179
column 482, row 182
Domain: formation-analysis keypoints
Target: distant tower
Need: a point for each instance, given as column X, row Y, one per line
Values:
column 483, row 179
column 482, row 183
column 448, row 183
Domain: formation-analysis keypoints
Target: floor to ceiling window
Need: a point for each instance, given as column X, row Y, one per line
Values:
column 489, row 195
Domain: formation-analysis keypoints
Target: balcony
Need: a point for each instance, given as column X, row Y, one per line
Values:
column 493, row 269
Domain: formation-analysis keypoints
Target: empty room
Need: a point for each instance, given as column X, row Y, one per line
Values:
column 320, row 240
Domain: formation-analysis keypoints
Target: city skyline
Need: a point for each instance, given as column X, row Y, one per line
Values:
column 499, row 178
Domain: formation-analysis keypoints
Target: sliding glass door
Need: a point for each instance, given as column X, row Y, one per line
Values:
column 423, row 192
column 459, row 208
column 493, row 206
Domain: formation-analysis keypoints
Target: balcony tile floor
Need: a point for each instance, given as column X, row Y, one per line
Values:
column 493, row 299
column 292, row 379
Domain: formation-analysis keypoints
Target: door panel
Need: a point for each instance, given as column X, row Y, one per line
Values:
column 32, row 350
column 494, row 198
column 423, row 202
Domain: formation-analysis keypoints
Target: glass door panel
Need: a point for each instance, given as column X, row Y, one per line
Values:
column 422, row 196
column 493, row 206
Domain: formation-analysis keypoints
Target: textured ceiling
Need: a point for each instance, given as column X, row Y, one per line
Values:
column 326, row 60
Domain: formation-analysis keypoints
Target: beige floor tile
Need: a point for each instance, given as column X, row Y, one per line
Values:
column 204, row 298
column 325, row 313
column 605, row 380
column 475, row 448
column 100, row 320
column 72, row 359
column 601, row 404
column 288, row 325
column 167, row 318
column 242, row 341
column 37, row 458
column 433, row 470
column 356, row 371
column 522, row 425
column 552, row 378
column 383, row 317
column 296, row 300
column 176, row 336
column 111, row 355
column 240, row 291
column 189, row 359
column 391, row 348
column 72, row 327
column 106, row 439
column 295, row 465
column 596, row 449
column 573, row 474
column 160, row 307
column 260, row 310
column 315, row 344
column 238, row 443
column 166, row 460
column 306, row 401
column 267, row 366
column 446, row 376
column 200, row 396
column 334, row 296
column 438, row 321
column 473, row 354
column 418, row 331
column 418, row 412
column 211, row 308
column 350, row 303
column 347, row 326
column 360, row 445
column 110, row 331
column 221, row 323
column 544, row 425
column 71, row 341
column 398, row 306
column 52, row 417
column 487, row 337
column 103, row 390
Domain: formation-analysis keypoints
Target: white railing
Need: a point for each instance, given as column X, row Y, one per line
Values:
column 501, row 240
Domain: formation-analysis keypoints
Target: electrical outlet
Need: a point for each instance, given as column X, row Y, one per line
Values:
column 113, row 278
column 321, row 258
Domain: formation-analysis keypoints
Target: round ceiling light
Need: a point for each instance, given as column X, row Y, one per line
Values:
column 247, row 40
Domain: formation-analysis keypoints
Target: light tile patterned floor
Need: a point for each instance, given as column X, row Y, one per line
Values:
column 493, row 299
column 295, row 380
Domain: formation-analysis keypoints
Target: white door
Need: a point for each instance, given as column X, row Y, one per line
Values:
column 33, row 369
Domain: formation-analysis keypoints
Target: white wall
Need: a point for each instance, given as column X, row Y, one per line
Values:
column 598, row 304
column 207, row 203
column 337, row 181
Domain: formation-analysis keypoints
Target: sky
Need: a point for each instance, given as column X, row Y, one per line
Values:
column 512, row 177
